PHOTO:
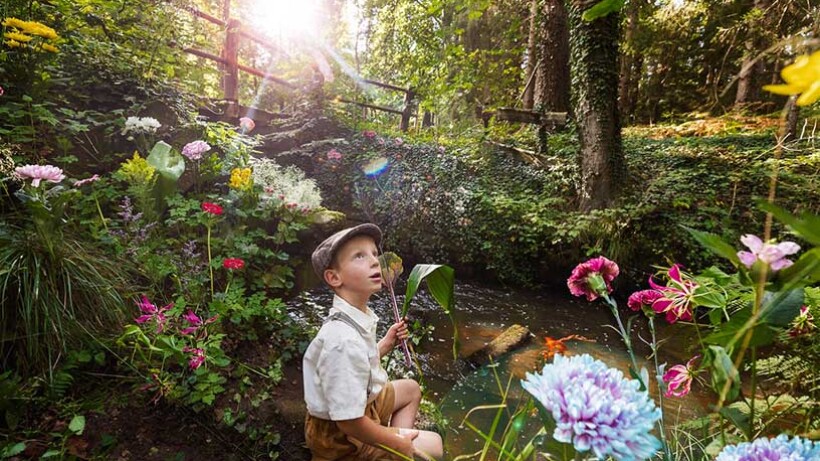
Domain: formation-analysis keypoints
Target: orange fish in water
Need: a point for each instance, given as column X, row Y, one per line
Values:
column 557, row 346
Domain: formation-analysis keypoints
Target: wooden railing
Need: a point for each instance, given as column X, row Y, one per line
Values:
column 231, row 67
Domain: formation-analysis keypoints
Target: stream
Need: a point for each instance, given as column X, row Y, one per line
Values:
column 457, row 386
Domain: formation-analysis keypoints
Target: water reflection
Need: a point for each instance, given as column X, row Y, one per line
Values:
column 482, row 314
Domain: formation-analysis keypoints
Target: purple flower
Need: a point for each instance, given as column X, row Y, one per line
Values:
column 595, row 407
column 194, row 150
column 398, row 141
column 197, row 357
column 593, row 278
column 152, row 312
column 780, row 448
column 772, row 254
column 195, row 322
column 39, row 173
column 678, row 379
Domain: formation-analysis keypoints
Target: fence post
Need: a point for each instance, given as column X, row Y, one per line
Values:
column 408, row 109
column 230, row 81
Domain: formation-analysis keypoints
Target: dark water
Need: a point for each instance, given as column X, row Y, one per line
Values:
column 481, row 314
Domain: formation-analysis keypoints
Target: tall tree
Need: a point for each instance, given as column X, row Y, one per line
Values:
column 752, row 68
column 594, row 68
column 630, row 61
column 552, row 48
column 532, row 56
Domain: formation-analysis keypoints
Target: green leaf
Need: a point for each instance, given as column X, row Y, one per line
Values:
column 734, row 328
column 722, row 370
column 602, row 8
column 715, row 244
column 805, row 271
column 50, row 453
column 782, row 307
column 77, row 424
column 708, row 297
column 170, row 165
column 737, row 417
column 13, row 450
column 440, row 282
column 806, row 226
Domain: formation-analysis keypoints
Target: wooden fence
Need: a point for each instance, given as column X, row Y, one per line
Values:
column 230, row 66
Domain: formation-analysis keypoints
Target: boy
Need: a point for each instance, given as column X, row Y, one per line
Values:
column 352, row 407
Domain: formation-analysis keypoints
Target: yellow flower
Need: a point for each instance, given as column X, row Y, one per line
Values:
column 18, row 37
column 13, row 43
column 14, row 22
column 31, row 27
column 803, row 76
column 241, row 179
column 137, row 170
column 49, row 47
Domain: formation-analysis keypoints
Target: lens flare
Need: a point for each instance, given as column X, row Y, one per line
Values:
column 375, row 167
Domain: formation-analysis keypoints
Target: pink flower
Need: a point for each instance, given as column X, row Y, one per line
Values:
column 442, row 149
column 593, row 278
column 2, row 91
column 643, row 298
column 677, row 298
column 194, row 150
column 195, row 322
column 233, row 263
column 334, row 155
column 369, row 134
column 803, row 323
column 152, row 312
column 197, row 357
column 246, row 124
column 772, row 254
column 399, row 141
column 212, row 208
column 39, row 173
column 678, row 379
column 85, row 181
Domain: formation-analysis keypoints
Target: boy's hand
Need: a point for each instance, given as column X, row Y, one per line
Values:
column 397, row 332
column 405, row 445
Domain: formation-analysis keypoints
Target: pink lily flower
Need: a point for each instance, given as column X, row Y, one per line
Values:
column 586, row 277
column 677, row 298
column 197, row 357
column 195, row 321
column 679, row 378
column 772, row 254
column 152, row 312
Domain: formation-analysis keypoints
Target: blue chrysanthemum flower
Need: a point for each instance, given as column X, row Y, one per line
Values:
column 780, row 448
column 595, row 407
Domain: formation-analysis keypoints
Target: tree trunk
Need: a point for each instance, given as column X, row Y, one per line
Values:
column 594, row 66
column 532, row 56
column 552, row 79
column 749, row 76
column 627, row 83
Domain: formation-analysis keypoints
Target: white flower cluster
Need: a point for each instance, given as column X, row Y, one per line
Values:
column 141, row 125
column 285, row 185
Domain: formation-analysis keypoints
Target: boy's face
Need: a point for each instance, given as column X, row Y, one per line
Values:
column 356, row 267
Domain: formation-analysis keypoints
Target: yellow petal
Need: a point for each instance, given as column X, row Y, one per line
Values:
column 786, row 90
column 810, row 95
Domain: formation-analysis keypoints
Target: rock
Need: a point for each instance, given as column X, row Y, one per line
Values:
column 511, row 338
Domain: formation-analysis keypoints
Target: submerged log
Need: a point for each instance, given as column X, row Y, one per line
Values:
column 510, row 339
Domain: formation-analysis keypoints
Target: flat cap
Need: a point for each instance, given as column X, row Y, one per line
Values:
column 323, row 254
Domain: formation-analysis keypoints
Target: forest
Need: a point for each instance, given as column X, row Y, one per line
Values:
column 600, row 223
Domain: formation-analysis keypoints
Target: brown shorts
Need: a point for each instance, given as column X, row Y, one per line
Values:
column 328, row 443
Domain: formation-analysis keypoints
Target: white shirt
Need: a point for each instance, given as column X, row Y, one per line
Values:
column 340, row 362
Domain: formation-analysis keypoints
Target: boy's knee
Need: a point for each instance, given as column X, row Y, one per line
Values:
column 415, row 390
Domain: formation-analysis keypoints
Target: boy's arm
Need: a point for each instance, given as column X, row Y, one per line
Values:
column 367, row 431
column 397, row 332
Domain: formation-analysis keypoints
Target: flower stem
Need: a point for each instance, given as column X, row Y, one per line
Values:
column 624, row 336
column 659, row 378
column 210, row 267
column 407, row 360
column 99, row 210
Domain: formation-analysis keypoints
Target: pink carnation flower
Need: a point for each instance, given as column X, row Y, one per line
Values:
column 678, row 379
column 642, row 298
column 772, row 254
column 247, row 124
column 39, row 173
column 85, row 181
column 582, row 281
column 194, row 150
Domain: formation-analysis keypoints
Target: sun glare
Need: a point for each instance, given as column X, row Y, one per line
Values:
column 286, row 18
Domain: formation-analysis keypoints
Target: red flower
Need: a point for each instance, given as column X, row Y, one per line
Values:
column 212, row 208
column 233, row 263
column 593, row 278
column 642, row 298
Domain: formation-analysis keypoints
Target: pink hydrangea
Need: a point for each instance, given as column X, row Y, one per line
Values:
column 194, row 150
column 770, row 253
column 39, row 173
column 247, row 124
column 678, row 379
column 582, row 281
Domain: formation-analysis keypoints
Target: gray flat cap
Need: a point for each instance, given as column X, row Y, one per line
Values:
column 323, row 254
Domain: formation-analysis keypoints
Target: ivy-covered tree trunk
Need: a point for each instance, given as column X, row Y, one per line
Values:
column 552, row 79
column 627, row 85
column 750, row 71
column 594, row 67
